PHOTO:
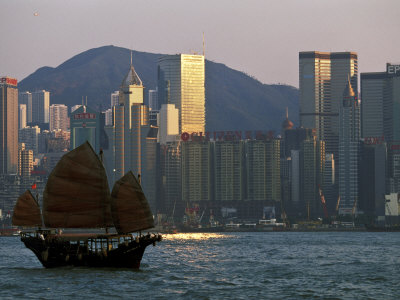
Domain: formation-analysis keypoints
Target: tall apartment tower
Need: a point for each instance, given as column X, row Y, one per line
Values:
column 8, row 125
column 58, row 117
column 40, row 106
column 322, row 79
column 25, row 161
column 26, row 98
column 349, row 140
column 181, row 80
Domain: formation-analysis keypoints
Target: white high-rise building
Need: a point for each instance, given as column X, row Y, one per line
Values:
column 40, row 106
column 22, row 116
column 168, row 124
column 115, row 98
column 181, row 80
column 59, row 117
column 108, row 117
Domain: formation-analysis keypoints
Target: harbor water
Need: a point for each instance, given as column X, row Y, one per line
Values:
column 268, row 265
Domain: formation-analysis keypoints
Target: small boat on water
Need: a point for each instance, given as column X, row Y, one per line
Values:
column 77, row 197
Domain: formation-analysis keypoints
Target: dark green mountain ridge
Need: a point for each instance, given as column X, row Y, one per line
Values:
column 234, row 100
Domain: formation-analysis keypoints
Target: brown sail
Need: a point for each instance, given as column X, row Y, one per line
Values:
column 27, row 211
column 130, row 209
column 77, row 192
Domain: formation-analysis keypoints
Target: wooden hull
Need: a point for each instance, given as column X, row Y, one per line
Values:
column 58, row 251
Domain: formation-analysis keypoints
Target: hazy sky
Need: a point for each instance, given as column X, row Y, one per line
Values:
column 259, row 37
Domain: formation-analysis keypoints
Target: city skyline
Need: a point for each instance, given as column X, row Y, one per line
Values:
column 257, row 34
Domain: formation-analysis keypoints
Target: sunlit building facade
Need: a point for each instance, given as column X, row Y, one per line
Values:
column 58, row 117
column 181, row 80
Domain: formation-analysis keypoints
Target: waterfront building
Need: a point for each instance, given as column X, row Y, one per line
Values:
column 322, row 79
column 22, row 116
column 26, row 98
column 329, row 187
column 8, row 125
column 197, row 185
column 349, row 139
column 372, row 179
column 181, row 80
column 312, row 161
column 30, row 137
column 150, row 166
column 58, row 117
column 170, row 178
column 229, row 173
column 263, row 170
column 40, row 107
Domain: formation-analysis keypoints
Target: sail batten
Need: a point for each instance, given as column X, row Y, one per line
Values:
column 27, row 211
column 130, row 209
column 77, row 193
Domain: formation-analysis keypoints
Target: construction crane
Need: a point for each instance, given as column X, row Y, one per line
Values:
column 322, row 197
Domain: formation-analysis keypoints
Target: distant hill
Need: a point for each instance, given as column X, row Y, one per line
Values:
column 234, row 100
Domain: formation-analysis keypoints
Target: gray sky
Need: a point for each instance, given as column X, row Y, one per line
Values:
column 259, row 37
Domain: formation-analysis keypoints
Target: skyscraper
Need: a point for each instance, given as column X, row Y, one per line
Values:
column 380, row 104
column 26, row 98
column 322, row 79
column 153, row 100
column 22, row 116
column 8, row 125
column 58, row 117
column 349, row 139
column 181, row 82
column 40, row 107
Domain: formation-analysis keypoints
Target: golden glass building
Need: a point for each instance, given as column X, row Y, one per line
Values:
column 181, row 82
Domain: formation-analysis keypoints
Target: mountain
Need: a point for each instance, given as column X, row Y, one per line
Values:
column 234, row 100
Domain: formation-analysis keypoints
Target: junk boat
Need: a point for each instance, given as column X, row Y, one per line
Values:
column 77, row 196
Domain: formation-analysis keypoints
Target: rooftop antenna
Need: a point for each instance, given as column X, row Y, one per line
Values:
column 131, row 57
column 86, row 100
column 82, row 100
column 287, row 113
column 204, row 46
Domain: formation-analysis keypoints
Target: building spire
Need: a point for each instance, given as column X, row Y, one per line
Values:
column 131, row 59
column 204, row 46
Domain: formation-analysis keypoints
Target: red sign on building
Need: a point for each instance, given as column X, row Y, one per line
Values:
column 8, row 80
column 84, row 116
